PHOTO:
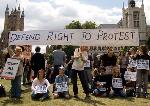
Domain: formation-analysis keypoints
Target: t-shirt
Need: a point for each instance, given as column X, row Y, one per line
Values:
column 58, row 57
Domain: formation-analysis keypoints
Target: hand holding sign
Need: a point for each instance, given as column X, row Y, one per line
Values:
column 61, row 87
column 41, row 89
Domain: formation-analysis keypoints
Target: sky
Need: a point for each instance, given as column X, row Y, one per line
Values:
column 55, row 14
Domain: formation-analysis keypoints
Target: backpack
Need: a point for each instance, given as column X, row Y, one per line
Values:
column 2, row 91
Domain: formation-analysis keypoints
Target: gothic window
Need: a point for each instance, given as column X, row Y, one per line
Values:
column 136, row 19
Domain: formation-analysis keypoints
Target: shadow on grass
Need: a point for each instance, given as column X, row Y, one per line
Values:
column 8, row 101
column 90, row 101
column 130, row 99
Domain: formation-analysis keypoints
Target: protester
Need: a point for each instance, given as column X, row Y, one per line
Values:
column 59, row 59
column 40, row 87
column 142, row 71
column 88, row 67
column 78, row 68
column 61, row 84
column 99, row 82
column 37, row 61
column 16, row 83
column 108, row 60
column 118, row 83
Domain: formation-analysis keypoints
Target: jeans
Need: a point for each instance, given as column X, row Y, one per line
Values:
column 88, row 75
column 38, row 96
column 16, row 87
column 141, row 81
column 82, row 79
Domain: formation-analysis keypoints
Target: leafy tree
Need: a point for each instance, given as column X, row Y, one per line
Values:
column 74, row 25
column 89, row 25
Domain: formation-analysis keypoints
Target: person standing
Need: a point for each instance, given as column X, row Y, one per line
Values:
column 78, row 68
column 59, row 59
column 16, row 83
column 37, row 61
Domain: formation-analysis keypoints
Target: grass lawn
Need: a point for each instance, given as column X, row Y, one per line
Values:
column 93, row 101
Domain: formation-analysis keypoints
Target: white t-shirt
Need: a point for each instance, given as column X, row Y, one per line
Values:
column 78, row 64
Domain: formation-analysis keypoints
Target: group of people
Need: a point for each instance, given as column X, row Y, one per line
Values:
column 101, row 76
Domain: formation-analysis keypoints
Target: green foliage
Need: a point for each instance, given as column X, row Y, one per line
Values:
column 89, row 25
column 74, row 25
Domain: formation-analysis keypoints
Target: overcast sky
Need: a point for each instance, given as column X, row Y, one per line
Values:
column 55, row 14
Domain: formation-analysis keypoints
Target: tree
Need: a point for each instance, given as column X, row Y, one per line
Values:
column 74, row 25
column 89, row 25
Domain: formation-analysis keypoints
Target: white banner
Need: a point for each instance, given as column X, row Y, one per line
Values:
column 61, row 87
column 41, row 89
column 117, row 83
column 88, row 37
column 143, row 64
column 10, row 69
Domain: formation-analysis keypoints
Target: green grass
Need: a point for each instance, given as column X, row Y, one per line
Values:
column 93, row 101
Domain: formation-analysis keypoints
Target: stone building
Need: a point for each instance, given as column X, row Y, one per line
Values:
column 14, row 21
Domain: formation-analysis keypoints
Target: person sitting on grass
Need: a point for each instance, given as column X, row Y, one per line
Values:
column 99, row 82
column 40, row 87
column 118, row 83
column 61, row 84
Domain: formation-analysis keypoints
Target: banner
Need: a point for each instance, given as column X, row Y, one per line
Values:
column 143, row 64
column 117, row 83
column 61, row 87
column 41, row 89
column 77, row 37
column 10, row 69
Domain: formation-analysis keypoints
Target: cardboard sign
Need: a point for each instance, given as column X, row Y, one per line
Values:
column 130, row 76
column 143, row 64
column 117, row 83
column 132, row 63
column 41, row 89
column 61, row 87
column 10, row 69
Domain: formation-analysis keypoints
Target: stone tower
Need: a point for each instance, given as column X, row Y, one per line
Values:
column 14, row 21
column 134, row 17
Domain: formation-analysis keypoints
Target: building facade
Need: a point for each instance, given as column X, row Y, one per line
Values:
column 14, row 21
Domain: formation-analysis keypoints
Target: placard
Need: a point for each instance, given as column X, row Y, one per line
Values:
column 143, row 64
column 61, row 87
column 130, row 76
column 10, row 69
column 117, row 83
column 41, row 89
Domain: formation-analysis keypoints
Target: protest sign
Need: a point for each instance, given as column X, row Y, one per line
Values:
column 10, row 69
column 117, row 83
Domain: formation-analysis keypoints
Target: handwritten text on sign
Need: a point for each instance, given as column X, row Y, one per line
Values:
column 117, row 83
column 89, row 37
column 41, row 89
column 10, row 69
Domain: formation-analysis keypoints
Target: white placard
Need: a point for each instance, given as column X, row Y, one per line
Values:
column 10, row 69
column 86, row 37
column 41, row 89
column 143, row 64
column 61, row 87
column 130, row 76
column 132, row 63
column 117, row 83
